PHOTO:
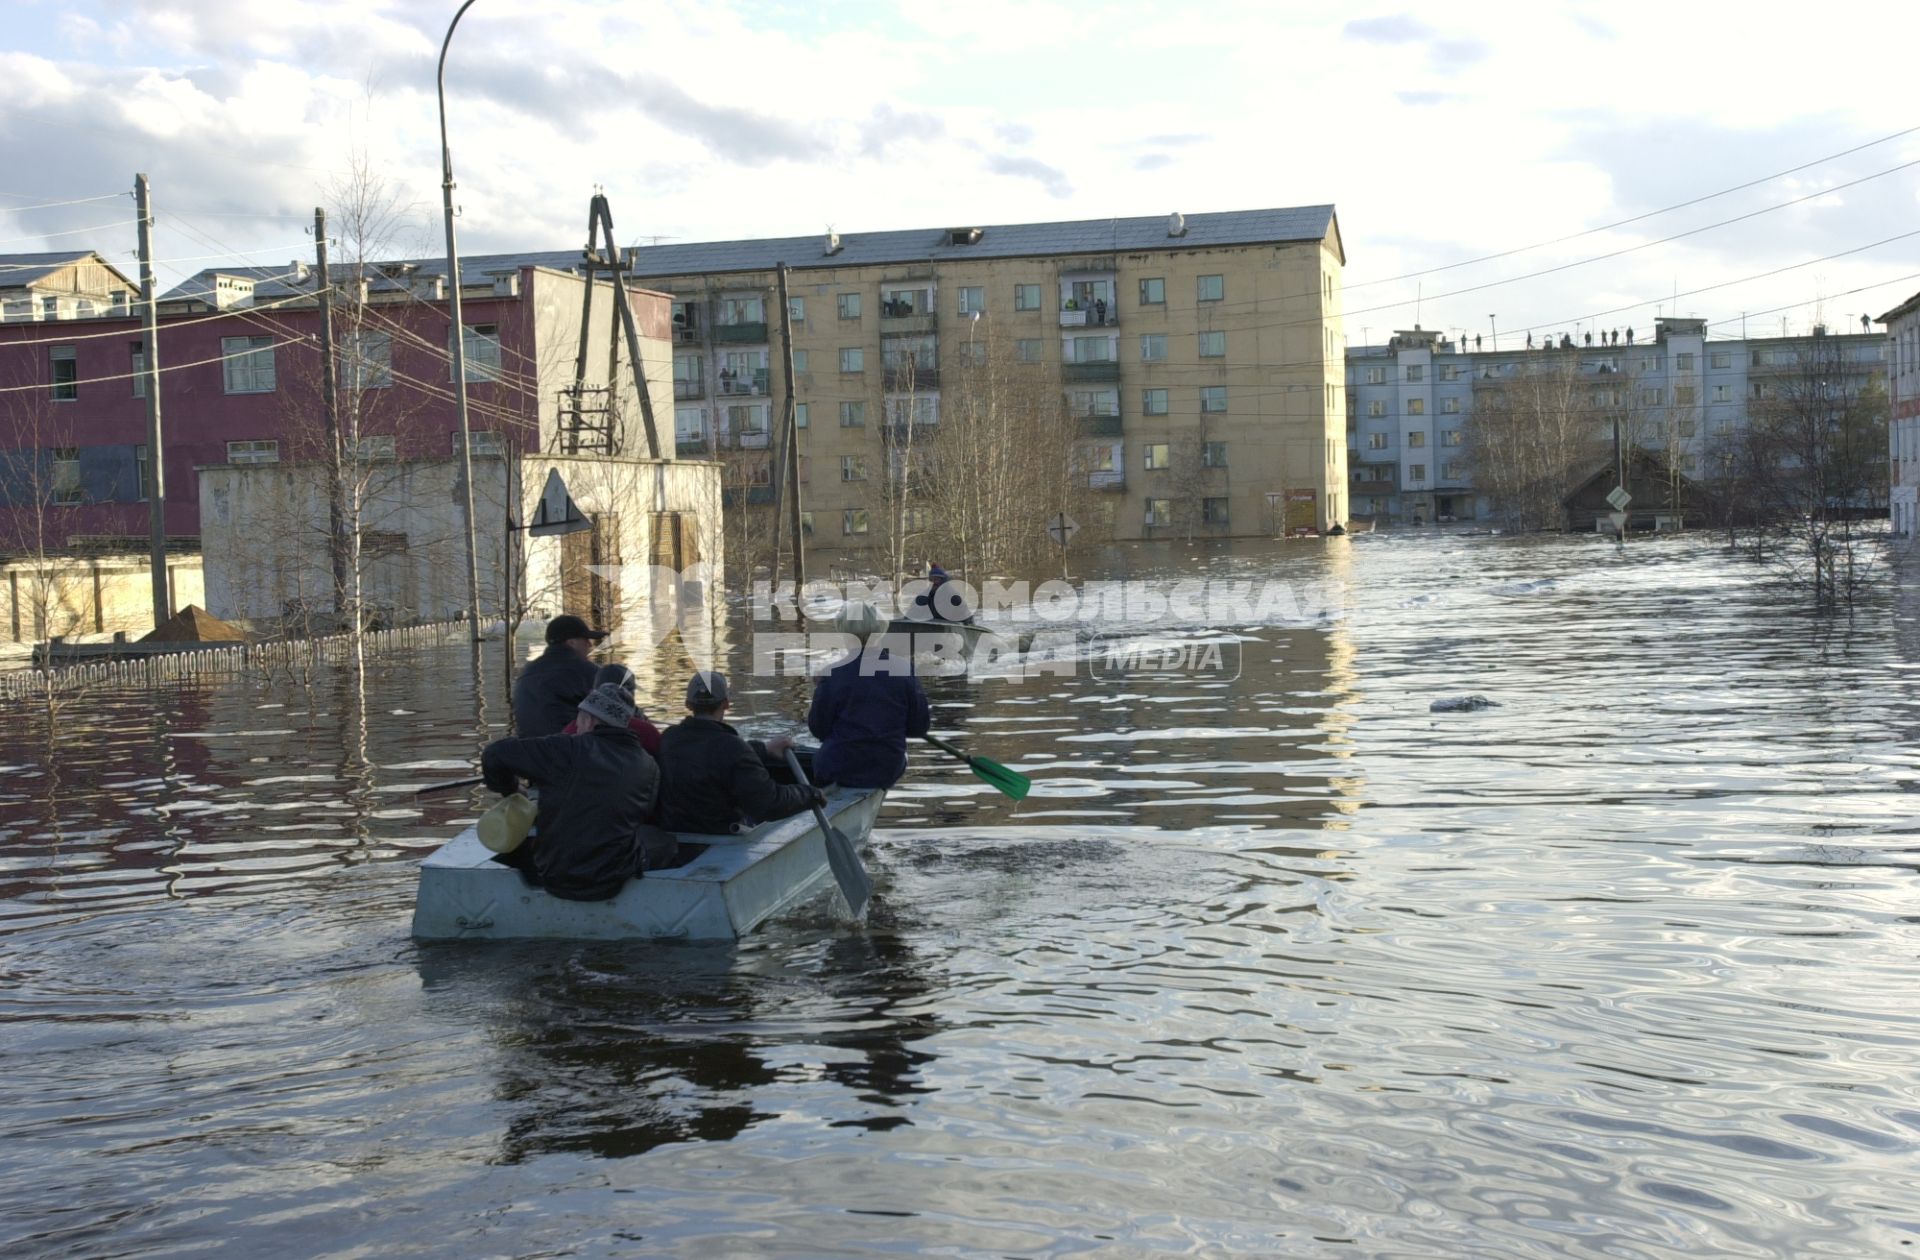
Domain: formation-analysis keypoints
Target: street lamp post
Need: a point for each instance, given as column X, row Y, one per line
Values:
column 459, row 338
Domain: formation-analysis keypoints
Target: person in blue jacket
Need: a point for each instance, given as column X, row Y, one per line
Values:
column 862, row 717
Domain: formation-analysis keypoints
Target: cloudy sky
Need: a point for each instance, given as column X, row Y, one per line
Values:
column 1442, row 133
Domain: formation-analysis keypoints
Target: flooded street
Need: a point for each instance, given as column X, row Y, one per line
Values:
column 1279, row 965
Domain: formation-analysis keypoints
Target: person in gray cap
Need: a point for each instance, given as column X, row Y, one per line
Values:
column 715, row 781
column 553, row 684
column 592, row 829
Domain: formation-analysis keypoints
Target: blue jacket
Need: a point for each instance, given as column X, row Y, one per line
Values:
column 863, row 725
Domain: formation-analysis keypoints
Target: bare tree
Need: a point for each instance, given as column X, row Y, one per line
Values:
column 1531, row 437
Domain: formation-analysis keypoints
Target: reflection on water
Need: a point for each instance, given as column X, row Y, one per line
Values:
column 1282, row 963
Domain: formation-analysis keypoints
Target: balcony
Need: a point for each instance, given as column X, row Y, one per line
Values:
column 752, row 439
column 689, row 389
column 741, row 334
column 1090, row 318
column 901, row 379
column 1098, row 425
column 685, row 335
column 1374, row 487
column 691, row 446
column 901, row 318
column 756, row 496
column 1106, row 373
column 742, row 384
column 1112, row 479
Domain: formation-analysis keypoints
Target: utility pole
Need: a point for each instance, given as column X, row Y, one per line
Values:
column 460, row 355
column 156, row 465
column 790, row 464
column 330, row 398
column 1494, row 326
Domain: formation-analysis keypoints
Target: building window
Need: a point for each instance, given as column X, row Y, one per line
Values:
column 266, row 451
column 481, row 346
column 689, row 424
column 137, row 367
column 1757, row 389
column 1213, row 345
column 1416, row 472
column 1722, row 393
column 1720, row 359
column 1450, row 471
column 1213, row 511
column 852, row 521
column 1685, row 429
column 1650, row 397
column 973, row 299
column 1213, row 455
column 1158, row 456
column 1159, row 512
column 1449, row 437
column 1029, row 349
column 1686, row 463
column 1376, row 376
column 1723, row 427
column 1153, row 402
column 1026, row 297
column 1212, row 288
column 1683, row 395
column 1450, row 406
column 1450, row 371
column 1376, row 441
column 64, row 373
column 853, row 415
column 248, row 364
column 1375, row 407
column 1415, row 372
column 366, row 360
column 800, row 415
column 735, row 311
column 65, row 472
column 1153, row 291
column 853, row 359
column 1153, row 347
column 853, row 468
column 1092, row 350
column 849, row 306
column 801, row 364
column 50, row 308
column 377, row 447
column 142, row 487
column 973, row 352
column 1682, row 362
column 1213, row 399
column 485, row 442
column 1416, row 439
column 1416, row 406
column 797, row 309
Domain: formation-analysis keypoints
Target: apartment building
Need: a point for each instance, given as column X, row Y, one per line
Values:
column 1410, row 400
column 1903, row 423
column 1216, row 335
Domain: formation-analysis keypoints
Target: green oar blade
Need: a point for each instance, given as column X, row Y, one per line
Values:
column 1010, row 783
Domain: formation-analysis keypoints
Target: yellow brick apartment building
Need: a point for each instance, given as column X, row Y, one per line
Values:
column 1210, row 337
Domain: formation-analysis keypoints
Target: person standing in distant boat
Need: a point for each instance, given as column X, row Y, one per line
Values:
column 866, row 710
column 552, row 685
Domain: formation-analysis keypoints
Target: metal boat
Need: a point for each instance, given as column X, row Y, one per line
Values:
column 729, row 887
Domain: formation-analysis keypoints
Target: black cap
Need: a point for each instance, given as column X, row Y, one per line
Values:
column 567, row 626
column 706, row 689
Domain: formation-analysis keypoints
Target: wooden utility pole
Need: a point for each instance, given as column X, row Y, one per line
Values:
column 156, row 464
column 789, row 470
column 330, row 400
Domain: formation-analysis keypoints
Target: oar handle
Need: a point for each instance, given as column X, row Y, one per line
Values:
column 800, row 777
column 944, row 746
column 476, row 781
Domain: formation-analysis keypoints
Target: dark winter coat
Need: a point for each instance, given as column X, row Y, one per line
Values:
column 597, row 791
column 548, row 693
column 863, row 725
column 714, row 779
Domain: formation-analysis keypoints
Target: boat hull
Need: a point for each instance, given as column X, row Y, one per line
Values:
column 731, row 888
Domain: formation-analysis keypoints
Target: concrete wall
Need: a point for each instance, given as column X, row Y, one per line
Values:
column 74, row 596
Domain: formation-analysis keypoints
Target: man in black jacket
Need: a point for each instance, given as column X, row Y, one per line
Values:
column 597, row 793
column 715, row 782
column 553, row 684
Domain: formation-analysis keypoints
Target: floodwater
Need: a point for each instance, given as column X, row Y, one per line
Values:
column 1285, row 965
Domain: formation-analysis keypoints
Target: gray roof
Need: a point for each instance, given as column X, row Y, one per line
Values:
column 20, row 270
column 857, row 249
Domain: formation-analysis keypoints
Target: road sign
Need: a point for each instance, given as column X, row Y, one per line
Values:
column 1062, row 528
column 1619, row 521
column 1618, row 498
column 556, row 513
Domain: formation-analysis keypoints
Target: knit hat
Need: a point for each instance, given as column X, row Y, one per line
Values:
column 861, row 620
column 707, row 689
column 607, row 703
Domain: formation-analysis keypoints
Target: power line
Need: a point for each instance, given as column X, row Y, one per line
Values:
column 49, row 205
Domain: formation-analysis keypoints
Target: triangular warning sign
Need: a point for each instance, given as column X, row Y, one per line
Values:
column 556, row 513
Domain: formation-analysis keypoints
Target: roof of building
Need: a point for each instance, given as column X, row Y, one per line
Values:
column 857, row 249
column 20, row 270
column 1905, row 308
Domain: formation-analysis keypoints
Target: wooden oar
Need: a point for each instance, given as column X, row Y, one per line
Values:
column 851, row 874
column 448, row 787
column 1010, row 783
